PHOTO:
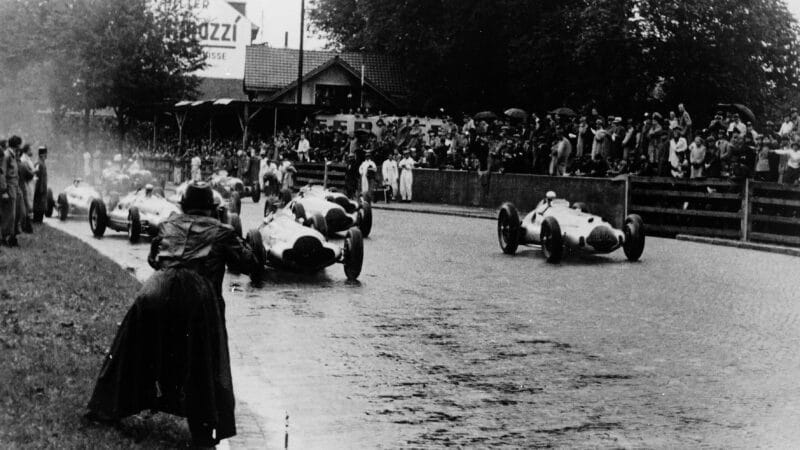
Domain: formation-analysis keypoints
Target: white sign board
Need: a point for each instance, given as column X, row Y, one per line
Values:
column 224, row 35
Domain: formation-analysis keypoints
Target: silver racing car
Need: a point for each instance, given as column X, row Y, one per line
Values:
column 140, row 212
column 554, row 225
column 339, row 212
column 282, row 242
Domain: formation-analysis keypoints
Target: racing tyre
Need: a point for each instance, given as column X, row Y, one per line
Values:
column 365, row 225
column 286, row 196
column 299, row 212
column 508, row 226
column 63, row 206
column 134, row 225
column 552, row 241
column 98, row 217
column 256, row 194
column 51, row 204
column 318, row 223
column 236, row 201
column 353, row 253
column 256, row 244
column 236, row 222
column 580, row 206
column 634, row 237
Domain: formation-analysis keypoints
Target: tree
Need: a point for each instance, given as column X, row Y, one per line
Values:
column 470, row 54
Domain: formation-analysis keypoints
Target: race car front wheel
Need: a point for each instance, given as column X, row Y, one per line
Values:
column 634, row 237
column 508, row 226
column 318, row 223
column 256, row 243
column 134, row 225
column 63, row 206
column 235, row 221
column 365, row 225
column 353, row 253
column 552, row 241
column 98, row 219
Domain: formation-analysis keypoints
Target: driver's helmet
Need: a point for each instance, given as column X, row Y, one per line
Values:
column 148, row 189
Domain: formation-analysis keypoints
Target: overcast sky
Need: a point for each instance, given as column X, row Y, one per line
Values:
column 284, row 15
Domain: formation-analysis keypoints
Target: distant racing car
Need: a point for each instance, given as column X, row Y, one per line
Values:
column 340, row 212
column 76, row 198
column 554, row 225
column 224, row 212
column 245, row 188
column 140, row 212
column 282, row 242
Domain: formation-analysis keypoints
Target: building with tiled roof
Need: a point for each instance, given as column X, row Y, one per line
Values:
column 330, row 79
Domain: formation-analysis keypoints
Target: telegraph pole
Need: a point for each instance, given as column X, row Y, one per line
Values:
column 300, row 60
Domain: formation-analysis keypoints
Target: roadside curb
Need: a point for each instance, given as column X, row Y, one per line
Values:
column 441, row 212
column 740, row 244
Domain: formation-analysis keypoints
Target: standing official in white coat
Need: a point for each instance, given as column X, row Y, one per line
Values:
column 406, row 175
column 367, row 170
column 390, row 174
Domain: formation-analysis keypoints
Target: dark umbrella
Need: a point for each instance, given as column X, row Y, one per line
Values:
column 485, row 115
column 739, row 108
column 563, row 111
column 516, row 113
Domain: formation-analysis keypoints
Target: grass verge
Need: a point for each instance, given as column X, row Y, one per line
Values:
column 60, row 305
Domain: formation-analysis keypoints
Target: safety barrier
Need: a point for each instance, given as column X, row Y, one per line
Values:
column 706, row 208
column 773, row 213
column 331, row 174
column 162, row 168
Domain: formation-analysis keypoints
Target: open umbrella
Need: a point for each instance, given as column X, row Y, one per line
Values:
column 743, row 111
column 485, row 115
column 516, row 113
column 563, row 111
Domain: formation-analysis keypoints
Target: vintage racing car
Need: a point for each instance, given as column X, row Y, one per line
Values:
column 139, row 212
column 227, row 188
column 280, row 241
column 340, row 212
column 224, row 212
column 245, row 188
column 554, row 224
column 76, row 199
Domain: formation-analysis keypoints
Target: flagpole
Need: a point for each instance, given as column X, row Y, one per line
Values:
column 361, row 96
column 300, row 60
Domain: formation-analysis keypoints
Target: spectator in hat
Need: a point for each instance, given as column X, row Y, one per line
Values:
column 791, row 174
column 406, row 166
column 390, row 173
column 26, row 186
column 677, row 148
column 738, row 125
column 195, row 164
column 601, row 141
column 303, row 147
column 351, row 174
column 685, row 121
column 561, row 153
column 673, row 120
column 584, row 138
column 787, row 126
column 657, row 150
column 762, row 168
column 40, row 197
column 9, row 192
column 717, row 124
column 697, row 158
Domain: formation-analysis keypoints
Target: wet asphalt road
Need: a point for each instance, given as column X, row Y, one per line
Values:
column 447, row 342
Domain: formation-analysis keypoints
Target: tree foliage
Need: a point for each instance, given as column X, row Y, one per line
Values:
column 619, row 55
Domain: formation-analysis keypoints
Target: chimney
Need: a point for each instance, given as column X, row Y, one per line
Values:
column 285, row 39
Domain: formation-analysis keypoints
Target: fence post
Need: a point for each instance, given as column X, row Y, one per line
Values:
column 325, row 174
column 745, row 209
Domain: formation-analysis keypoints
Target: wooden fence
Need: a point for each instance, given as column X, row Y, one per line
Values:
column 773, row 213
column 331, row 174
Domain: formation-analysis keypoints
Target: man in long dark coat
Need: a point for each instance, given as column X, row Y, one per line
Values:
column 171, row 352
column 40, row 197
column 9, row 192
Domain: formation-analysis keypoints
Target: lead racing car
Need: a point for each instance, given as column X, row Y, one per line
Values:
column 282, row 242
column 339, row 212
column 76, row 198
column 554, row 225
column 140, row 212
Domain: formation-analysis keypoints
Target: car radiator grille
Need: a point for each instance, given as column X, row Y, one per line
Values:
column 602, row 239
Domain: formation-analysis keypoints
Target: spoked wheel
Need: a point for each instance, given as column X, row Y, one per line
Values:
column 286, row 196
column 98, row 218
column 63, row 206
column 508, row 228
column 134, row 225
column 634, row 237
column 353, row 253
column 365, row 225
column 552, row 241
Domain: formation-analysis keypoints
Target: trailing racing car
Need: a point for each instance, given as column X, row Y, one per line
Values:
column 340, row 212
column 224, row 212
column 227, row 188
column 76, row 199
column 554, row 225
column 140, row 212
column 281, row 242
column 245, row 188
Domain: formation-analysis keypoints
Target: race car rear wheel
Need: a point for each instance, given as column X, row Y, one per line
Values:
column 256, row 243
column 353, row 253
column 134, row 225
column 634, row 237
column 235, row 221
column 256, row 194
column 299, row 212
column 63, row 206
column 318, row 223
column 98, row 217
column 580, row 206
column 236, row 201
column 552, row 241
column 365, row 225
column 286, row 196
column 51, row 204
column 508, row 226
